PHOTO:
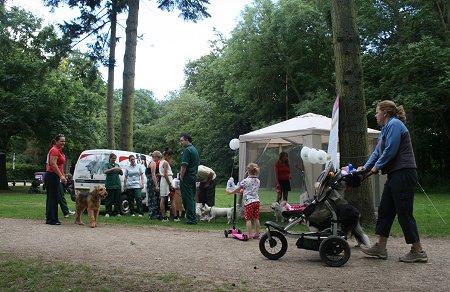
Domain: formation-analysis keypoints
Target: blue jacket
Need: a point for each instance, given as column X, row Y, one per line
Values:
column 394, row 150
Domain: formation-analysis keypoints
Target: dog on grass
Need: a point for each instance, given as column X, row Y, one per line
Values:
column 213, row 212
column 90, row 201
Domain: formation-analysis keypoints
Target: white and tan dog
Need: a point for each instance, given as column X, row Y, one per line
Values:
column 278, row 209
column 198, row 210
column 213, row 212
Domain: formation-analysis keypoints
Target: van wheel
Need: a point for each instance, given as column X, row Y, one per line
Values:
column 124, row 204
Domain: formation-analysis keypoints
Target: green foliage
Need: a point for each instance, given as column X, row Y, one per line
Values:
column 28, row 53
column 410, row 63
column 189, row 10
column 23, row 171
column 223, row 119
column 78, row 91
column 23, row 68
column 41, row 96
column 180, row 114
column 272, row 58
column 240, row 86
column 92, row 21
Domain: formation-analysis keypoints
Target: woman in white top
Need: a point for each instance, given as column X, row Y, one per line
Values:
column 166, row 188
column 133, row 184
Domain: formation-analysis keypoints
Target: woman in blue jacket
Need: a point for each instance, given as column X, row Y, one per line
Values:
column 394, row 156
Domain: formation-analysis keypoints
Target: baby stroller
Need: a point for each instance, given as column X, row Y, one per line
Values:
column 329, row 213
column 35, row 187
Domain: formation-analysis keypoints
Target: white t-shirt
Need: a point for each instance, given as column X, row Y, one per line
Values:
column 133, row 174
column 250, row 185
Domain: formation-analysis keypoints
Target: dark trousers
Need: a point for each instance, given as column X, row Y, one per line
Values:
column 113, row 199
column 207, row 195
column 187, row 189
column 135, row 194
column 52, row 187
column 398, row 199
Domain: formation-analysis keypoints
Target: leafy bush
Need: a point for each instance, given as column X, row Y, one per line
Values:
column 23, row 171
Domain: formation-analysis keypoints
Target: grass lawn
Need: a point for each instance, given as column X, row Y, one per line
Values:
column 19, row 204
column 19, row 273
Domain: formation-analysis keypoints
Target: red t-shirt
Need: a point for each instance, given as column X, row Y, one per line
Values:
column 54, row 151
column 283, row 171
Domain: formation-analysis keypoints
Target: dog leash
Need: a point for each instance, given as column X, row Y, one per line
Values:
column 439, row 214
column 426, row 195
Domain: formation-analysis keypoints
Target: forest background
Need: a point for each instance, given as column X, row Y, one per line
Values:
column 277, row 64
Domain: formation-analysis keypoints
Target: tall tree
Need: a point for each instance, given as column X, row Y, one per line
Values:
column 111, row 65
column 190, row 10
column 353, row 144
column 93, row 21
column 28, row 52
column 129, row 61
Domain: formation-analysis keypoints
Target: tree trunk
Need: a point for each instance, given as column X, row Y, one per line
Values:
column 353, row 143
column 129, row 60
column 3, row 177
column 111, row 65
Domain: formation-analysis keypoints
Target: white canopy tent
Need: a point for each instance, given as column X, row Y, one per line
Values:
column 263, row 145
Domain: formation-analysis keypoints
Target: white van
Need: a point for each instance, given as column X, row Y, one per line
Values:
column 88, row 172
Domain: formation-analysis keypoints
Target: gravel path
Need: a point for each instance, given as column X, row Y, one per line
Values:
column 216, row 260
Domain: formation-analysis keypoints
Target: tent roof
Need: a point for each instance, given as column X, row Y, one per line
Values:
column 293, row 130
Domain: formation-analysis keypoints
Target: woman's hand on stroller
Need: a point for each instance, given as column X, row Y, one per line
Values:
column 374, row 170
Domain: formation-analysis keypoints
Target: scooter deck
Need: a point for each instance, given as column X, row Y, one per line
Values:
column 236, row 234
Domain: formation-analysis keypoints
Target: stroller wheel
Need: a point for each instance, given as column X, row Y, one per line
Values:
column 275, row 247
column 239, row 231
column 226, row 233
column 334, row 251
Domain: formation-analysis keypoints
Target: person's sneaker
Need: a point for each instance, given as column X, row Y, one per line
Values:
column 70, row 213
column 132, row 215
column 204, row 218
column 176, row 219
column 107, row 216
column 375, row 251
column 414, row 257
column 140, row 215
column 165, row 219
column 118, row 215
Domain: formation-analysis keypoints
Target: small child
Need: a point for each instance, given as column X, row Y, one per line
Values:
column 250, row 186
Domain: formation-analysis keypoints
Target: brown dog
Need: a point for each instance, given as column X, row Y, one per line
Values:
column 91, row 202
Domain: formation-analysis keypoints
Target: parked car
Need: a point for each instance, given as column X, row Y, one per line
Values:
column 88, row 172
column 38, row 179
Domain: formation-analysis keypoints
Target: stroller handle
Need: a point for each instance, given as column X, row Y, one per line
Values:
column 354, row 178
column 358, row 172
